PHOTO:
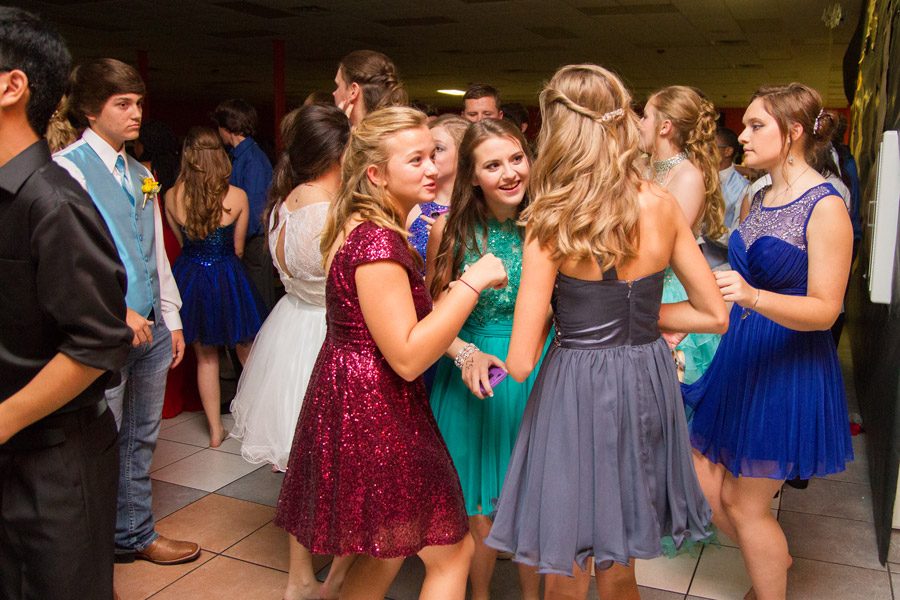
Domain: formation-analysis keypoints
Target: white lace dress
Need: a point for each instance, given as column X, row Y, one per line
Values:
column 273, row 385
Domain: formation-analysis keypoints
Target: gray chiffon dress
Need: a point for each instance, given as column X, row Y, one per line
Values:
column 602, row 463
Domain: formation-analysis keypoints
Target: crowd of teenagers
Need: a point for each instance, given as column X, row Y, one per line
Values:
column 601, row 347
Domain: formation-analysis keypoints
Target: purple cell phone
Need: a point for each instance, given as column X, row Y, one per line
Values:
column 438, row 212
column 495, row 376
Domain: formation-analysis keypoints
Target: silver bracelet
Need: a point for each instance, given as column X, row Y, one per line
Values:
column 463, row 355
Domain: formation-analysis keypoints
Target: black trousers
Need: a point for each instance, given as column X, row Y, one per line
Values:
column 58, row 485
column 258, row 262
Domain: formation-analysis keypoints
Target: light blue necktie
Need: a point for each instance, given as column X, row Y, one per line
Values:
column 123, row 179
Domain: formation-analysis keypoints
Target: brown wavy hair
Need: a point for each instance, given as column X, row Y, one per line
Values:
column 376, row 76
column 799, row 103
column 587, row 176
column 693, row 119
column 205, row 170
column 358, row 194
column 466, row 225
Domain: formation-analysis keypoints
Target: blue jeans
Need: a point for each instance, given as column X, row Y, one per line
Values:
column 137, row 403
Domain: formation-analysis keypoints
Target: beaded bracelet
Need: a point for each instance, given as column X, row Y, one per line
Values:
column 463, row 355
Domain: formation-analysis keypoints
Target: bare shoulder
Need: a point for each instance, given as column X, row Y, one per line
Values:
column 235, row 197
column 687, row 175
column 656, row 201
column 829, row 209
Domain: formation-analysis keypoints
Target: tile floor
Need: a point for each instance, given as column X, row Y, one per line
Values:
column 213, row 496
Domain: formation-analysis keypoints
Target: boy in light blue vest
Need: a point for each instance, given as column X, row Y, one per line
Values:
column 106, row 97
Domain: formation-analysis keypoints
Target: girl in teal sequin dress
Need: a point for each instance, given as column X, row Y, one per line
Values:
column 480, row 429
column 678, row 130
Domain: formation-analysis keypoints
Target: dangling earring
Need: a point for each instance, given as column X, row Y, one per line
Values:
column 790, row 159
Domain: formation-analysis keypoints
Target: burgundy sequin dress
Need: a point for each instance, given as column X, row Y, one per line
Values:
column 369, row 472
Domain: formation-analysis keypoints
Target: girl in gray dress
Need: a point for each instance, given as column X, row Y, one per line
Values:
column 602, row 465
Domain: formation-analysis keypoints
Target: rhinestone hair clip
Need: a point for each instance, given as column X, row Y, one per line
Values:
column 816, row 123
column 606, row 117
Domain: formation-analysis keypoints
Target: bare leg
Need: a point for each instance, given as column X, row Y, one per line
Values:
column 560, row 587
column 617, row 582
column 243, row 351
column 483, row 559
column 446, row 570
column 747, row 502
column 529, row 582
column 210, row 393
column 302, row 583
column 711, row 476
column 370, row 578
column 331, row 587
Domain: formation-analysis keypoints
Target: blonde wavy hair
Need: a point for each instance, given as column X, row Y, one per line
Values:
column 693, row 119
column 205, row 170
column 585, row 182
column 358, row 194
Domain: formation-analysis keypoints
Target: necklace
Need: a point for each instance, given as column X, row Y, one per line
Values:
column 316, row 185
column 790, row 186
column 661, row 168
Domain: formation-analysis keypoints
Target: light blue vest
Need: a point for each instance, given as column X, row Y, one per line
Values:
column 132, row 227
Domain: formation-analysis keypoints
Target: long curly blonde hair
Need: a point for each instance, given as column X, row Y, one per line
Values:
column 693, row 119
column 358, row 194
column 585, row 182
column 205, row 170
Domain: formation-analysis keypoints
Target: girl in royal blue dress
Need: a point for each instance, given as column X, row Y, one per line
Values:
column 771, row 406
column 219, row 304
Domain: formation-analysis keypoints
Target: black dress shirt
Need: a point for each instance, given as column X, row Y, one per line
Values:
column 62, row 286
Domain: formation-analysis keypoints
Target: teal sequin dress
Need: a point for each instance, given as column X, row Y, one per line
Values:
column 698, row 348
column 480, row 434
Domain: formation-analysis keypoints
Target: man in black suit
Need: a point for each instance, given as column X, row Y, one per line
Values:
column 62, row 331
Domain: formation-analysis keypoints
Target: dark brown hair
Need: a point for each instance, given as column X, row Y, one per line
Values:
column 236, row 116
column 482, row 90
column 466, row 224
column 94, row 82
column 377, row 76
column 316, row 137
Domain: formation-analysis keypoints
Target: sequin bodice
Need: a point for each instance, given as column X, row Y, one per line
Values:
column 217, row 246
column 769, row 247
column 366, row 243
column 419, row 230
column 497, row 306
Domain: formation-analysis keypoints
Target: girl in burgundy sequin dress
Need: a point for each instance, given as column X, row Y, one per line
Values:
column 369, row 473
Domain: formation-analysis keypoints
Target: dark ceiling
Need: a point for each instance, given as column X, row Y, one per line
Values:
column 202, row 49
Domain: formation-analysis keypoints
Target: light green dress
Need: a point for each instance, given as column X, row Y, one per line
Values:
column 480, row 434
column 698, row 348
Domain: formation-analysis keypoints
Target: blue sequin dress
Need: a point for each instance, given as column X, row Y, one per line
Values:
column 480, row 434
column 772, row 402
column 419, row 231
column 219, row 304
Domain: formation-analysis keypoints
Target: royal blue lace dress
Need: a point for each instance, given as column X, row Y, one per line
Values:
column 219, row 304
column 772, row 402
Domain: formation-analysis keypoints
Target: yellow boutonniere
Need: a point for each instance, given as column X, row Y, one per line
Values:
column 151, row 188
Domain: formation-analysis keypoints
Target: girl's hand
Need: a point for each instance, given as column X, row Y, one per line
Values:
column 346, row 106
column 428, row 221
column 487, row 272
column 734, row 288
column 475, row 373
column 673, row 339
